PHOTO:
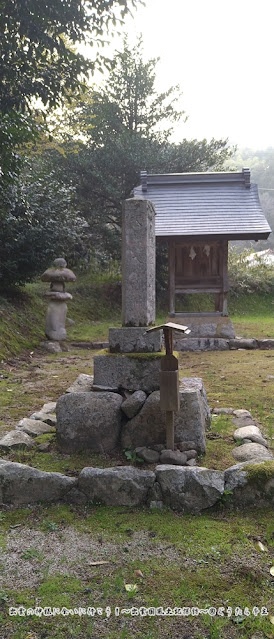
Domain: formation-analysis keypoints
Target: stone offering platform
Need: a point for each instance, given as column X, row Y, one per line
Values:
column 212, row 325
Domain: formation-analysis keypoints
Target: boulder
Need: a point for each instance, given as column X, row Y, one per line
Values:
column 16, row 439
column 134, row 403
column 118, row 486
column 88, row 421
column 190, row 490
column 252, row 433
column 250, row 484
column 251, row 452
column 82, row 384
column 149, row 426
column 33, row 427
column 22, row 484
column 197, row 384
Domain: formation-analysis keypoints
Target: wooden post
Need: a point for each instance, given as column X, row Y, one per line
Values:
column 170, row 430
column 169, row 379
column 225, row 278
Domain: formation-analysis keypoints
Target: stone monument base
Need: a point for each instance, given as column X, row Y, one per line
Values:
column 128, row 371
column 134, row 339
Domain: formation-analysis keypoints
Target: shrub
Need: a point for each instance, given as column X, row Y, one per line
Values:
column 245, row 277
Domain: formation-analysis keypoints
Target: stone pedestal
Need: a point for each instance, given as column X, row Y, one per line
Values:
column 206, row 325
column 134, row 339
column 138, row 263
column 208, row 332
column 56, row 319
column 130, row 372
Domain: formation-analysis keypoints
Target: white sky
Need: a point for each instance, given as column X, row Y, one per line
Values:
column 220, row 52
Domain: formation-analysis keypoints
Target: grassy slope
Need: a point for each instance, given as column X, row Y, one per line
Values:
column 96, row 305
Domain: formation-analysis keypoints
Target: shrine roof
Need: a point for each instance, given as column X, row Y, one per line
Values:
column 221, row 204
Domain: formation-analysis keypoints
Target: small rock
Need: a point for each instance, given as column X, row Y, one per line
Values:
column 33, row 427
column 16, row 439
column 222, row 411
column 252, row 433
column 173, row 457
column 250, row 452
column 243, row 421
column 156, row 504
column 157, row 447
column 51, row 347
column 105, row 389
column 243, row 343
column 265, row 344
column 191, row 454
column 182, row 446
column 139, row 450
column 82, row 384
column 149, row 456
column 50, row 407
column 47, row 418
column 241, row 412
column 70, row 322
column 43, row 448
column 191, row 462
column 134, row 403
column 245, row 441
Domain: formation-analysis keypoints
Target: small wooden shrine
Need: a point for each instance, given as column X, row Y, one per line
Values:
column 197, row 214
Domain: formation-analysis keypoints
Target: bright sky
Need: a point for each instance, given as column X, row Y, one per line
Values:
column 220, row 52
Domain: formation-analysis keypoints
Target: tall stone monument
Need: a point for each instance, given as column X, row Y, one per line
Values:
column 138, row 307
column 138, row 263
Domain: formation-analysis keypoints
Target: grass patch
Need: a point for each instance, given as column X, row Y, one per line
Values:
column 237, row 379
column 187, row 561
column 259, row 474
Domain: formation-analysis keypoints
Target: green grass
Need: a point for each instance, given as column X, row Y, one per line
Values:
column 211, row 560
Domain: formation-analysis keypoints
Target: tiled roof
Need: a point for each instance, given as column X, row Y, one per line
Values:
column 198, row 204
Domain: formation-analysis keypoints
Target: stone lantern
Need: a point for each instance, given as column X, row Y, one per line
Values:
column 57, row 275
